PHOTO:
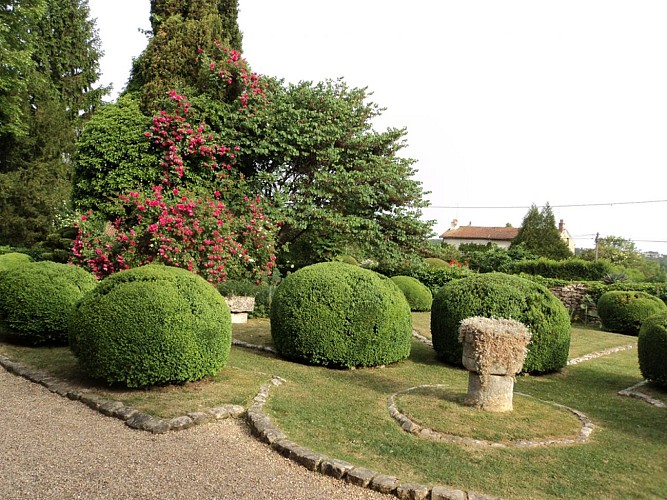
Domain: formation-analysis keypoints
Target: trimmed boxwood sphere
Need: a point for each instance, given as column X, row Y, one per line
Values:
column 338, row 315
column 418, row 296
column 11, row 260
column 501, row 295
column 652, row 348
column 436, row 262
column 624, row 311
column 36, row 299
column 151, row 325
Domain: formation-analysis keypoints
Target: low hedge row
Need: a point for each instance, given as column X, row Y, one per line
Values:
column 568, row 269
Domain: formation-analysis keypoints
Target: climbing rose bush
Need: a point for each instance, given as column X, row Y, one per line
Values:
column 197, row 218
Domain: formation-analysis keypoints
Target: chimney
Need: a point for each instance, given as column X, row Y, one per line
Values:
column 455, row 223
column 561, row 226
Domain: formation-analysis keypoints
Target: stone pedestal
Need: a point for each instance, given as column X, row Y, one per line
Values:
column 240, row 307
column 493, row 352
column 496, row 394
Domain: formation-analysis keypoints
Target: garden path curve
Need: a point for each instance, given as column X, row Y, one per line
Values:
column 51, row 447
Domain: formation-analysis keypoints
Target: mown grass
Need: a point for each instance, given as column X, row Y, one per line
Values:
column 343, row 414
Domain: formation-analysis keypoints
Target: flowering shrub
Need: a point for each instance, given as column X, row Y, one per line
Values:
column 226, row 76
column 198, row 217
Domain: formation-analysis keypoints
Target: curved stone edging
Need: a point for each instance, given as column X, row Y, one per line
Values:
column 421, row 338
column 413, row 428
column 631, row 392
column 264, row 348
column 264, row 429
column 598, row 354
column 573, row 361
column 133, row 418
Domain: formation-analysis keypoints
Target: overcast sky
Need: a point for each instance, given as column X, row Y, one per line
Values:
column 506, row 103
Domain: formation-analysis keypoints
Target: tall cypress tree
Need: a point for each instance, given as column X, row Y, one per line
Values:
column 58, row 94
column 539, row 234
column 182, row 29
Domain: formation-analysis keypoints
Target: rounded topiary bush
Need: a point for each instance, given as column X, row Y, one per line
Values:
column 36, row 299
column 347, row 259
column 419, row 297
column 151, row 325
column 624, row 311
column 652, row 348
column 436, row 262
column 11, row 260
column 338, row 315
column 502, row 296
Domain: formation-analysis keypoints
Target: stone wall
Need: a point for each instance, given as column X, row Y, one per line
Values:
column 574, row 297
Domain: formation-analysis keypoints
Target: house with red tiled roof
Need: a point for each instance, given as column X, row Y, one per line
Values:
column 502, row 236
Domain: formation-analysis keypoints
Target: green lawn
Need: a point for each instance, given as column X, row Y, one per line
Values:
column 343, row 414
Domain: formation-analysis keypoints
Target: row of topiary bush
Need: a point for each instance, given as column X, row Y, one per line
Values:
column 146, row 326
column 157, row 325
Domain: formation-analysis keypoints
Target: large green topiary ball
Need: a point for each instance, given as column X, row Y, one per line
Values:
column 624, row 312
column 338, row 315
column 36, row 299
column 503, row 296
column 151, row 325
column 11, row 260
column 418, row 296
column 652, row 348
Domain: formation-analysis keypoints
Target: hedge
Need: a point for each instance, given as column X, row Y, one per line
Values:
column 36, row 299
column 652, row 348
column 151, row 325
column 624, row 311
column 337, row 315
column 506, row 296
column 418, row 296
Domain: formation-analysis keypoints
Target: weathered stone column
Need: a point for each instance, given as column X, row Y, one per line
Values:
column 493, row 352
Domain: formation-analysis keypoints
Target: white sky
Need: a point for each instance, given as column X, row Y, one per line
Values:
column 507, row 103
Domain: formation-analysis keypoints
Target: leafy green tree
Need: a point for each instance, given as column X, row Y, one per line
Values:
column 56, row 97
column 627, row 259
column 538, row 234
column 310, row 149
column 336, row 181
column 114, row 157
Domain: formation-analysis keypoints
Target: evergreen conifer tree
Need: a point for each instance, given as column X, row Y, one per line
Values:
column 57, row 94
column 182, row 30
column 538, row 233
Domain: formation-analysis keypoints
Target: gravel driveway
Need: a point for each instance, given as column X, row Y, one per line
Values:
column 51, row 447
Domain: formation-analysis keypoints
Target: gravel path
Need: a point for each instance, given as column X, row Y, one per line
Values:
column 51, row 447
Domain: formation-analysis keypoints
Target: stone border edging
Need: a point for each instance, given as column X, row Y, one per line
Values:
column 133, row 418
column 260, row 425
column 264, row 348
column 408, row 425
column 598, row 354
column 631, row 392
column 264, row 429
